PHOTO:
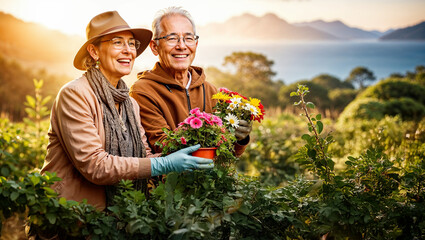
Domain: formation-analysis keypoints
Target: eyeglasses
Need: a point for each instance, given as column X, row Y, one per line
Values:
column 119, row 43
column 173, row 39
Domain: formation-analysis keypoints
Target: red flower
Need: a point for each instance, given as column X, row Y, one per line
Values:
column 222, row 89
column 224, row 138
column 183, row 140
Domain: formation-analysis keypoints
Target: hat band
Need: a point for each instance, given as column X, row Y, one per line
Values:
column 114, row 28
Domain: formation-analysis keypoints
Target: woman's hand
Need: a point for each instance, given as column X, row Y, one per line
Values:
column 180, row 161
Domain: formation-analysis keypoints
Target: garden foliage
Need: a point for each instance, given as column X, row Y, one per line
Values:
column 376, row 195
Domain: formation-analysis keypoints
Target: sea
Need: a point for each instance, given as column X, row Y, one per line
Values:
column 294, row 61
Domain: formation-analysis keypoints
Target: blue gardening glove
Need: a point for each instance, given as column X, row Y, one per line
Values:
column 179, row 161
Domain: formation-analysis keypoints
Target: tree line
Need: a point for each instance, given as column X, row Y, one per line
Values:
column 252, row 75
column 249, row 73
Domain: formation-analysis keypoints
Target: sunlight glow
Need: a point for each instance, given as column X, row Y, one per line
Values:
column 71, row 17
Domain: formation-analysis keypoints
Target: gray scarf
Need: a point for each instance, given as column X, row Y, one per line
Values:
column 122, row 135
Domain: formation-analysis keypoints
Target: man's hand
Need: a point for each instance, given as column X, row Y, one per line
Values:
column 243, row 130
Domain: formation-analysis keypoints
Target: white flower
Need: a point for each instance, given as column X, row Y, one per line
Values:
column 251, row 108
column 236, row 100
column 233, row 120
column 232, row 106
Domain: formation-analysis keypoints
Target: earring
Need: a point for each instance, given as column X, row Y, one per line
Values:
column 97, row 64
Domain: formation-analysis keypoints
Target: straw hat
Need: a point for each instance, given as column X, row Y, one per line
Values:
column 106, row 23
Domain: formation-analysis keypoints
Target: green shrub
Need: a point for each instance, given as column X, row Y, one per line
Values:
column 395, row 88
column 407, row 108
column 376, row 196
column 270, row 153
column 363, row 108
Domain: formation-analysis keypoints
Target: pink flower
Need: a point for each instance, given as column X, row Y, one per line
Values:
column 206, row 115
column 219, row 143
column 196, row 123
column 195, row 111
column 217, row 120
column 208, row 121
column 183, row 140
column 223, row 130
column 188, row 119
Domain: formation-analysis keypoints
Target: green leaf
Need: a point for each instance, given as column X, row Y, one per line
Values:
column 14, row 196
column 38, row 83
column 293, row 94
column 5, row 171
column 62, row 201
column 312, row 153
column 244, row 209
column 45, row 100
column 49, row 192
column 367, row 218
column 310, row 105
column 319, row 126
column 35, row 180
column 306, row 137
column 319, row 116
column 30, row 101
column 51, row 217
column 191, row 209
column 351, row 220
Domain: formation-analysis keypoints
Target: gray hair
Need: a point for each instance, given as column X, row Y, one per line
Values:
column 170, row 11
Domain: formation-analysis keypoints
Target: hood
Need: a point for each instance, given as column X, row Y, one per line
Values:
column 160, row 75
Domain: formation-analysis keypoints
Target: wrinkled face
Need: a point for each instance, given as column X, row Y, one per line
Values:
column 115, row 61
column 178, row 58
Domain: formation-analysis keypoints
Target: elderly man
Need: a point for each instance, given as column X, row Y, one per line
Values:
column 173, row 87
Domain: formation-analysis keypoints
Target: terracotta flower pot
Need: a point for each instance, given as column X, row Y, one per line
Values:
column 205, row 153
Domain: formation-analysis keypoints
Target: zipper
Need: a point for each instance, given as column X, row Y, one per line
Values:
column 188, row 100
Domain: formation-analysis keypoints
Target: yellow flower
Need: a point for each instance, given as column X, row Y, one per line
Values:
column 221, row 96
column 254, row 101
column 259, row 113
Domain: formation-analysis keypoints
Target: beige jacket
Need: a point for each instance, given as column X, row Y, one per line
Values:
column 76, row 149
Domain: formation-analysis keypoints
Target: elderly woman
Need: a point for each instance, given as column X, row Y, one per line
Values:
column 95, row 137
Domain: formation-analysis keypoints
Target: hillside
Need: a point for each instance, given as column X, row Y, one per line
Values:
column 266, row 28
column 341, row 30
column 416, row 32
column 35, row 46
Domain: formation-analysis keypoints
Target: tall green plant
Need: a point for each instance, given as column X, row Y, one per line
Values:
column 36, row 108
column 314, row 155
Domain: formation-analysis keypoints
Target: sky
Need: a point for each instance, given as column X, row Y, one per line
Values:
column 72, row 16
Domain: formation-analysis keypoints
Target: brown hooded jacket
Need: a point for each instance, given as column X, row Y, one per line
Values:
column 165, row 102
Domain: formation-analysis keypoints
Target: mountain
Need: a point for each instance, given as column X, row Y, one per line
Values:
column 268, row 28
column 341, row 30
column 35, row 46
column 416, row 32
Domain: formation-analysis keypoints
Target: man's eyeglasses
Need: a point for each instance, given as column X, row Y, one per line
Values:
column 119, row 43
column 173, row 39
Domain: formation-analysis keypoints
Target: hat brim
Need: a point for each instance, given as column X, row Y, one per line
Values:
column 141, row 34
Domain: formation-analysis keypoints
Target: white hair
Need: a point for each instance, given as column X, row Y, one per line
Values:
column 170, row 11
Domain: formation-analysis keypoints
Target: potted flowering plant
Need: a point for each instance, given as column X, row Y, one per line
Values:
column 233, row 107
column 204, row 129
